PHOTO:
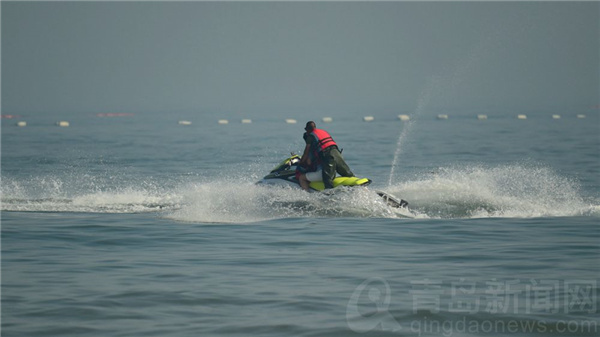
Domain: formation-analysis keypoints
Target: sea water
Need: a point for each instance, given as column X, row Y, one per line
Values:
column 138, row 226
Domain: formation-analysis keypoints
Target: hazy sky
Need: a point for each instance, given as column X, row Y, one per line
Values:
column 245, row 58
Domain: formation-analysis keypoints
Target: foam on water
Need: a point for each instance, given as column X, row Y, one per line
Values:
column 519, row 190
column 55, row 194
column 221, row 200
column 233, row 202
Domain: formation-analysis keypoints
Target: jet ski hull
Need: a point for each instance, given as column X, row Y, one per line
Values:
column 315, row 185
column 284, row 174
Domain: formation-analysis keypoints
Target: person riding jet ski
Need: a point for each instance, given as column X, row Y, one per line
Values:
column 321, row 150
column 309, row 171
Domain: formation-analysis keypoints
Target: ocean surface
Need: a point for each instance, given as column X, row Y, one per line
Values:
column 139, row 226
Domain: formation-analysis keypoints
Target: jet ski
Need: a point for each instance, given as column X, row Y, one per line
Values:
column 284, row 174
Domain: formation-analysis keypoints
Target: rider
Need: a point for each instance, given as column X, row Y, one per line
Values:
column 309, row 169
column 321, row 149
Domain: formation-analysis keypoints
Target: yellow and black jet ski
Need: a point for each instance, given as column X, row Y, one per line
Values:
column 285, row 174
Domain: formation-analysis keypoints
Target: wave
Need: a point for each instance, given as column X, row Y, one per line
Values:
column 225, row 200
column 85, row 194
column 247, row 202
column 514, row 191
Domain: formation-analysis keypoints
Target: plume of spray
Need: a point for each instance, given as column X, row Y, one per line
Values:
column 424, row 100
column 445, row 88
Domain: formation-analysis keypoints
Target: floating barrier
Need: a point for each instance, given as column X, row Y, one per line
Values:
column 402, row 117
column 114, row 114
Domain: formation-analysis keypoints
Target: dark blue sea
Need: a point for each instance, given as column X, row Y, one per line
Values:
column 139, row 226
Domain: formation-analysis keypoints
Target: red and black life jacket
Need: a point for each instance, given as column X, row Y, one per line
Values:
column 324, row 140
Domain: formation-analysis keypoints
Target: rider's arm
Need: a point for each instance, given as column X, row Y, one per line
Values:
column 304, row 161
